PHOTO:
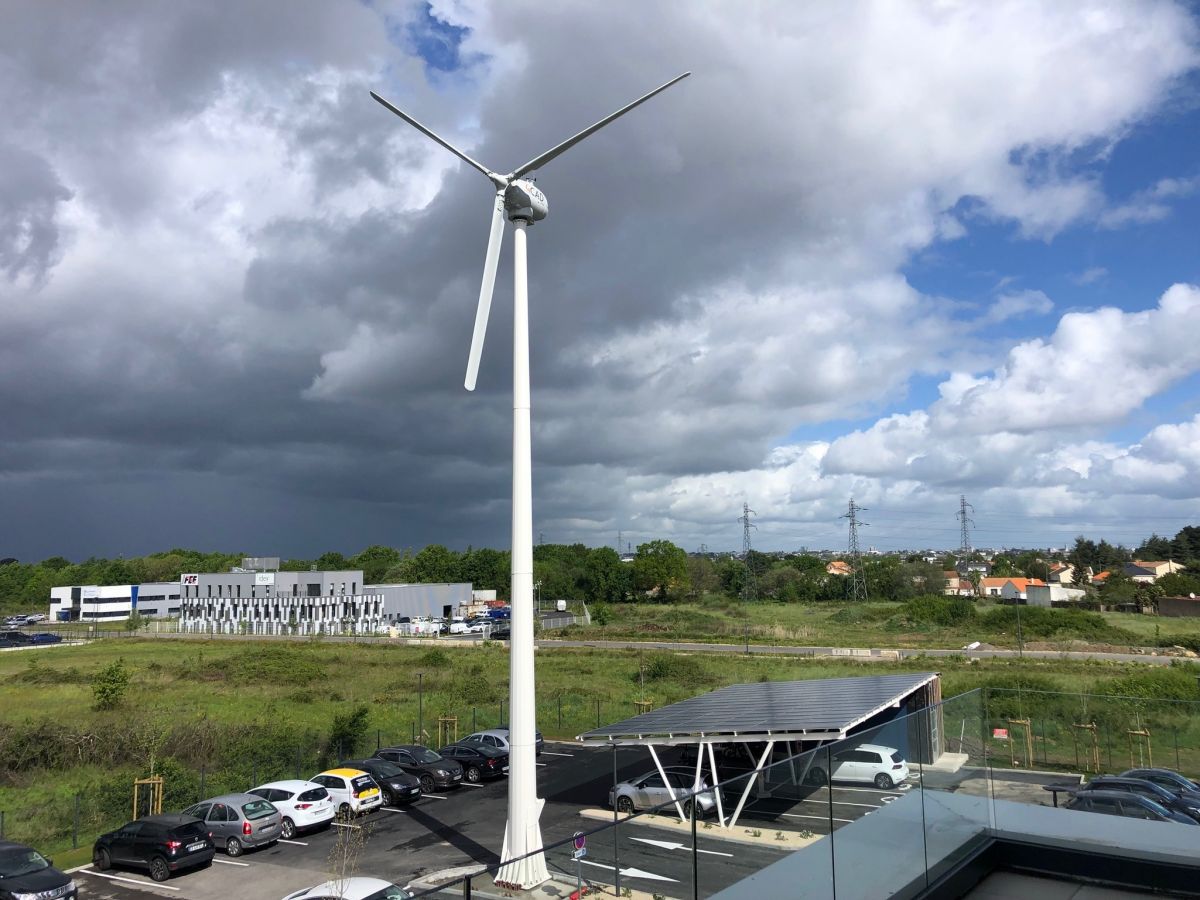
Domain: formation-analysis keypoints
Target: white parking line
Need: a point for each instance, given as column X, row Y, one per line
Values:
column 150, row 884
column 822, row 818
column 344, row 825
column 297, row 843
column 867, row 790
column 845, row 803
column 543, row 765
column 470, row 784
column 552, row 753
column 434, row 797
column 230, row 862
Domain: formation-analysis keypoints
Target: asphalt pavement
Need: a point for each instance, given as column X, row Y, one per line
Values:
column 465, row 827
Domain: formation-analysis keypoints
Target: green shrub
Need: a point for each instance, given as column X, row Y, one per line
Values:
column 688, row 671
column 434, row 658
column 934, row 610
column 109, row 685
column 1038, row 622
column 349, row 729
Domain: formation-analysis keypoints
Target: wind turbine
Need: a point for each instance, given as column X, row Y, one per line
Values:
column 517, row 197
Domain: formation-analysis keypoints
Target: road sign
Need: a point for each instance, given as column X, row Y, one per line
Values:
column 580, row 840
column 580, row 853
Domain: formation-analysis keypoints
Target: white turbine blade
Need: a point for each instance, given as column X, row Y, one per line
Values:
column 495, row 239
column 566, row 145
column 432, row 135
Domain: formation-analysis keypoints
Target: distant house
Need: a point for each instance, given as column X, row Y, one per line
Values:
column 1052, row 595
column 838, row 567
column 1147, row 572
column 1064, row 573
column 1009, row 588
column 1101, row 577
column 957, row 586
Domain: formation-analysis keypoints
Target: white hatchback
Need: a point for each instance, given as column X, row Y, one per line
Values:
column 874, row 764
column 352, row 790
column 303, row 804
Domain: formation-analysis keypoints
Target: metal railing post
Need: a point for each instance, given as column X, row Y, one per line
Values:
column 75, row 828
column 695, row 852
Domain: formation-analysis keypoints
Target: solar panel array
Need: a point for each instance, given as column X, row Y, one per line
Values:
column 826, row 704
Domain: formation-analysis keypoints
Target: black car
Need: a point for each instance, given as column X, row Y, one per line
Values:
column 397, row 785
column 477, row 762
column 26, row 873
column 162, row 844
column 1143, row 788
column 502, row 631
column 429, row 767
column 1123, row 803
column 1177, row 784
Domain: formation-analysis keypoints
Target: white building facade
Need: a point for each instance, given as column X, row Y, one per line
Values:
column 114, row 602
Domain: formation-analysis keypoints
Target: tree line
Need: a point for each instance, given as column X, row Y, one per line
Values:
column 659, row 571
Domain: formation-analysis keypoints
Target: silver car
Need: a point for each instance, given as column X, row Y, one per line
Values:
column 650, row 791
column 238, row 822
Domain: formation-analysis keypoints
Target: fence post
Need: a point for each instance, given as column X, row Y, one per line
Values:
column 75, row 828
column 597, row 712
column 473, row 728
column 202, row 773
column 560, row 716
column 1108, row 745
column 378, row 733
column 1, row 824
column 414, row 732
column 254, row 774
column 297, row 762
column 1175, row 738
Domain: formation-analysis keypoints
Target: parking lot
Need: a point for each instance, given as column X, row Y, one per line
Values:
column 465, row 826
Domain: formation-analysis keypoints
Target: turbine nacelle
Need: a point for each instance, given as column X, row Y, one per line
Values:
column 523, row 202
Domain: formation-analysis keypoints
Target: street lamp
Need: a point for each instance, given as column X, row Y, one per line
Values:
column 537, row 590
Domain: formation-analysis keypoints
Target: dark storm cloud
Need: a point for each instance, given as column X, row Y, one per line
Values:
column 246, row 291
column 30, row 194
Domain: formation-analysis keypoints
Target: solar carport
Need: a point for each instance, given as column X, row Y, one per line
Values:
column 788, row 717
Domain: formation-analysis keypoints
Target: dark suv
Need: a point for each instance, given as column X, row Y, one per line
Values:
column 433, row 770
column 1140, row 786
column 398, row 786
column 26, row 873
column 163, row 844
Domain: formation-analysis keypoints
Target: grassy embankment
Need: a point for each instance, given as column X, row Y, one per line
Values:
column 878, row 625
column 214, row 716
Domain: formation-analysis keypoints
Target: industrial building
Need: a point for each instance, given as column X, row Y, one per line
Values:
column 257, row 598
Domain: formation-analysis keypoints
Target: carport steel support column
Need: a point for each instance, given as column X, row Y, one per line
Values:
column 750, row 783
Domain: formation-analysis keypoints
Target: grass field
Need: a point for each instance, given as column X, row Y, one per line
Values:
column 859, row 625
column 215, row 715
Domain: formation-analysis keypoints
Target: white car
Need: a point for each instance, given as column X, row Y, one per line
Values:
column 352, row 790
column 356, row 888
column 497, row 739
column 874, row 764
column 303, row 804
column 458, row 626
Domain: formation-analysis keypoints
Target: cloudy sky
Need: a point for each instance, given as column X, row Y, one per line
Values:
column 900, row 252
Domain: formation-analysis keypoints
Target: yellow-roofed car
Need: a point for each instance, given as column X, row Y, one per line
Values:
column 353, row 791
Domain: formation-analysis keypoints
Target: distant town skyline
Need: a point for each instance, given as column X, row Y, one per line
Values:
column 869, row 251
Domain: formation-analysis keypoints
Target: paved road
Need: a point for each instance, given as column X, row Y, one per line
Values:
column 873, row 653
column 863, row 654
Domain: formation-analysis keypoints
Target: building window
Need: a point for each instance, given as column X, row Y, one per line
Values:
column 314, row 590
column 239, row 587
column 354, row 587
column 296, row 589
column 209, row 591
